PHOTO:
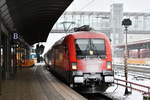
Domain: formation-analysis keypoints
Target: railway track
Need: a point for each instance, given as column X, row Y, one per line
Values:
column 141, row 69
column 134, row 71
column 103, row 96
column 97, row 96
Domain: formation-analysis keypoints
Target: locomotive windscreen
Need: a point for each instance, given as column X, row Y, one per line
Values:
column 90, row 47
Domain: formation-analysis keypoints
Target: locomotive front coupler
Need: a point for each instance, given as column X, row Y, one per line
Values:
column 90, row 82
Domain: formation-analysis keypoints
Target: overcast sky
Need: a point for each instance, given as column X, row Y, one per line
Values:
column 104, row 5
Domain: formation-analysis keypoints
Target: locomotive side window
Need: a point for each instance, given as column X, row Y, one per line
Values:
column 90, row 47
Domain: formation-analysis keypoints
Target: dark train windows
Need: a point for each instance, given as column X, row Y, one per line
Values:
column 90, row 47
column 98, row 45
column 81, row 44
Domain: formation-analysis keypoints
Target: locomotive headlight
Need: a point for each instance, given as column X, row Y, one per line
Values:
column 74, row 66
column 109, row 65
column 91, row 52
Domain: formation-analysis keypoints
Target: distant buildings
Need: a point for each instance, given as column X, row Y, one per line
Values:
column 108, row 23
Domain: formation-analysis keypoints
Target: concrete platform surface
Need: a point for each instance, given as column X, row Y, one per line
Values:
column 39, row 84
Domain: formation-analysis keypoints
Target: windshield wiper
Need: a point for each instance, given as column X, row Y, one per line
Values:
column 94, row 48
column 87, row 48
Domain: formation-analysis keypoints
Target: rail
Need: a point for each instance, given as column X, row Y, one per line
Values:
column 135, row 84
column 141, row 69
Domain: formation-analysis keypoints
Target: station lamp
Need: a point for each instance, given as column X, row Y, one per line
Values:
column 126, row 23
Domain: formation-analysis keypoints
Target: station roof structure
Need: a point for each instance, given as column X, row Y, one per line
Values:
column 33, row 19
column 141, row 44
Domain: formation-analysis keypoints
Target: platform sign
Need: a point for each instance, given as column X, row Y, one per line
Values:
column 15, row 36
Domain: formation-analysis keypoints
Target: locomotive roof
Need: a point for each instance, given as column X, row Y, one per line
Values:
column 81, row 34
column 85, row 34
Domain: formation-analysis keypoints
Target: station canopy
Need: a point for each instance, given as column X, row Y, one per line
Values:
column 33, row 19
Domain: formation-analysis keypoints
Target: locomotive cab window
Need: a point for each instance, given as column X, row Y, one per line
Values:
column 90, row 48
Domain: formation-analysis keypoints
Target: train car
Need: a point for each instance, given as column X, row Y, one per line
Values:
column 142, row 57
column 25, row 58
column 83, row 59
column 135, row 57
column 29, row 61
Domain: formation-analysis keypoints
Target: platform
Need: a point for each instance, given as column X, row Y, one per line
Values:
column 39, row 84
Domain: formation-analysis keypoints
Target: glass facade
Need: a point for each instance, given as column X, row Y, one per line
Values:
column 97, row 22
column 102, row 20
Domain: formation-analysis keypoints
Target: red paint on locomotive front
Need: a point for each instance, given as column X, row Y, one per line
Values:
column 81, row 64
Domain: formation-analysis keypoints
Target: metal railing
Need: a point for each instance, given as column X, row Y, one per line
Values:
column 131, row 86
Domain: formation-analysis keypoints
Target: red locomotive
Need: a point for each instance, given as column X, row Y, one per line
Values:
column 82, row 59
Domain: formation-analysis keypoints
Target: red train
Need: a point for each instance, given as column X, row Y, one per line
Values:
column 82, row 59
